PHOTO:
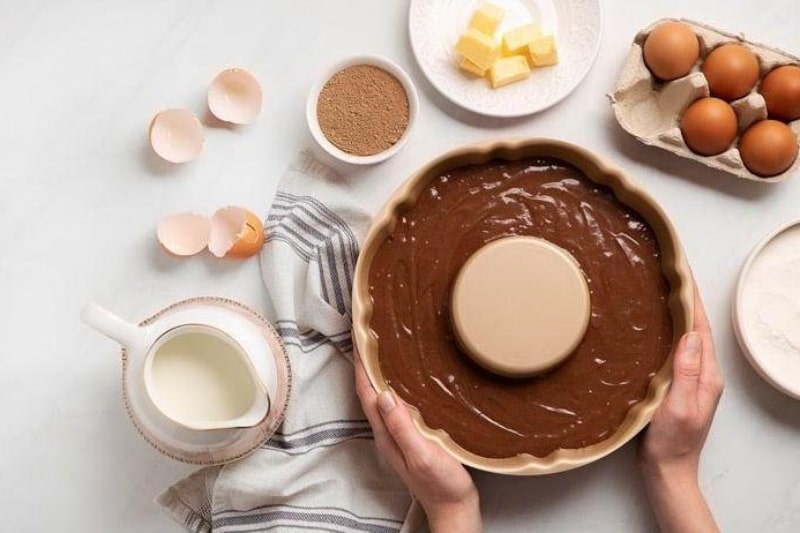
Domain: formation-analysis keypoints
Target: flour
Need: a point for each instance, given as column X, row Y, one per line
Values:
column 770, row 307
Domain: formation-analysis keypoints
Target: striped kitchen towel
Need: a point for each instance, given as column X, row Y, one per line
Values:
column 320, row 471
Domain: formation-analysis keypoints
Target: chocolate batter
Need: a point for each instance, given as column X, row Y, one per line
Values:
column 582, row 401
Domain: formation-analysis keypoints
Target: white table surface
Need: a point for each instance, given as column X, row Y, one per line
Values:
column 80, row 193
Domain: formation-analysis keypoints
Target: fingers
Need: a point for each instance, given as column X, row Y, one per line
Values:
column 700, row 317
column 414, row 447
column 396, row 436
column 368, row 398
column 369, row 404
column 687, row 365
column 702, row 325
column 363, row 386
column 710, row 377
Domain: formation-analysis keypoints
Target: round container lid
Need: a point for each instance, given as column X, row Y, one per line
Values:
column 520, row 306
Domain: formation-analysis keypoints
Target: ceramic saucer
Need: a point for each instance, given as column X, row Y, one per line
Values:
column 215, row 446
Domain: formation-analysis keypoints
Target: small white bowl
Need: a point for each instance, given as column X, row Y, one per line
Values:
column 786, row 381
column 235, row 96
column 313, row 97
column 176, row 135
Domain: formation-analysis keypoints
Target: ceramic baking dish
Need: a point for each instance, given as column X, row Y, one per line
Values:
column 674, row 265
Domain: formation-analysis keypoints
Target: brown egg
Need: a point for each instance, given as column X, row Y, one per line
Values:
column 731, row 71
column 709, row 126
column 671, row 50
column 768, row 147
column 781, row 90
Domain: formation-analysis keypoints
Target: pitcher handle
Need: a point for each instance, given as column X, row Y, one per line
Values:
column 110, row 325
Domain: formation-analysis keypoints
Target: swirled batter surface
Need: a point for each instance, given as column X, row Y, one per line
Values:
column 582, row 401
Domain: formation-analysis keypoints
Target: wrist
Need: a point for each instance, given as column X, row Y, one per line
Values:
column 464, row 515
column 670, row 476
column 676, row 498
column 673, row 470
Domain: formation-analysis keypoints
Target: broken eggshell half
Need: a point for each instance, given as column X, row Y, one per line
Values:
column 176, row 135
column 235, row 96
column 184, row 234
column 235, row 232
column 230, row 232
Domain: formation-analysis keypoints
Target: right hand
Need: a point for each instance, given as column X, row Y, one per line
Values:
column 678, row 431
column 670, row 449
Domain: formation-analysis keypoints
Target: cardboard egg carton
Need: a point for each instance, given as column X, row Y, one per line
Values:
column 650, row 109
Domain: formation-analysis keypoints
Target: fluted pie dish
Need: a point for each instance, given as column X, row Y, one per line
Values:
column 641, row 301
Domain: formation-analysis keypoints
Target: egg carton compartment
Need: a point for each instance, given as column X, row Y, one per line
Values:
column 650, row 109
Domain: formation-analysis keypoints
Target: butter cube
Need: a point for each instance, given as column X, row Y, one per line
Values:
column 487, row 19
column 471, row 67
column 479, row 48
column 516, row 41
column 543, row 51
column 508, row 70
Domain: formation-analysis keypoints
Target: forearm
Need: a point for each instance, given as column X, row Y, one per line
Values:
column 462, row 517
column 678, row 502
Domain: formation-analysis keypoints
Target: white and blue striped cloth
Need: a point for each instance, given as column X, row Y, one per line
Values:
column 320, row 471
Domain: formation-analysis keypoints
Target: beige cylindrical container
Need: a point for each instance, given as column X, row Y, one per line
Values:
column 520, row 306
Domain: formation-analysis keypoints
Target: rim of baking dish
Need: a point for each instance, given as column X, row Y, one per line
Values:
column 674, row 266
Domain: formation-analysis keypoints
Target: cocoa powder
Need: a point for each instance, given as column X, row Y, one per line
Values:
column 363, row 110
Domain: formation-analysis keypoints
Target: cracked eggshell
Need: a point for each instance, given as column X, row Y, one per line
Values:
column 184, row 234
column 235, row 232
column 235, row 96
column 176, row 135
column 650, row 109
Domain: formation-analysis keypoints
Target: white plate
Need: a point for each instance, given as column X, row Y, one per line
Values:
column 781, row 372
column 435, row 25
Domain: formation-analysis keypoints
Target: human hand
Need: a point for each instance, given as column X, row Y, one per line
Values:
column 670, row 450
column 441, row 484
column 678, row 431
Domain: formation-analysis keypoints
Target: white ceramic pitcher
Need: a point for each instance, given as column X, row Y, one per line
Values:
column 195, row 367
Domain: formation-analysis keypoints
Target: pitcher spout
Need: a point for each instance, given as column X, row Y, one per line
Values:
column 255, row 414
column 258, row 410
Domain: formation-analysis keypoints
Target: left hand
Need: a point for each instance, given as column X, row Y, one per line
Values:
column 441, row 484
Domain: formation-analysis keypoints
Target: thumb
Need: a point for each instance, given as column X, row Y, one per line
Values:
column 686, row 369
column 401, row 427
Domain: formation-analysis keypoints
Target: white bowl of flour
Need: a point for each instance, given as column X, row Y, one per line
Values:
column 766, row 311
